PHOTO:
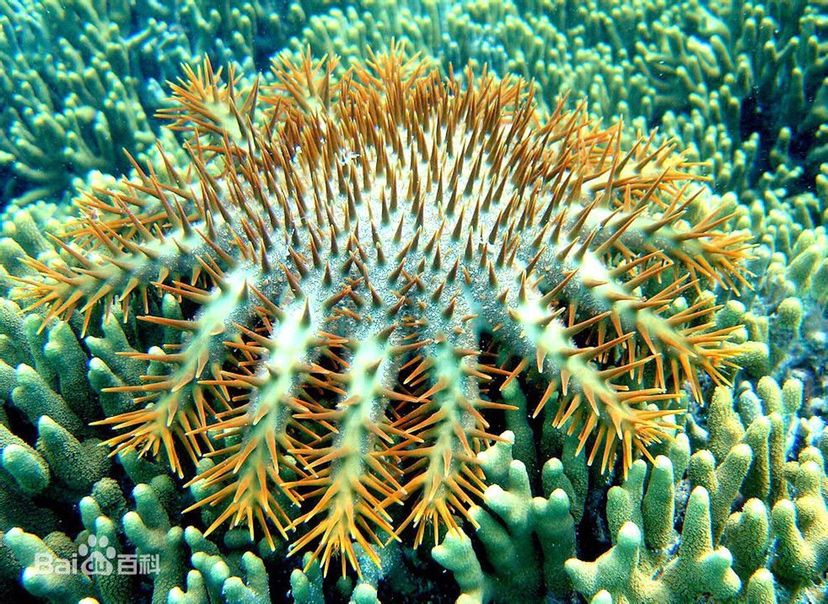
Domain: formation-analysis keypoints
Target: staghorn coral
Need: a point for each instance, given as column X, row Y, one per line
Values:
column 83, row 78
column 744, row 515
column 352, row 254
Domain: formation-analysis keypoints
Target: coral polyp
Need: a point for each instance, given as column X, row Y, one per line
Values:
column 362, row 263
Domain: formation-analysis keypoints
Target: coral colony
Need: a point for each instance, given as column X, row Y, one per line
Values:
column 357, row 258
column 494, row 301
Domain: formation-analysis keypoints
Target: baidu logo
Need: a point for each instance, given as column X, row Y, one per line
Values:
column 96, row 557
column 98, row 561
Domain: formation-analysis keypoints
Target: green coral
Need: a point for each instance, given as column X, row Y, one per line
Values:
column 83, row 79
column 730, row 82
column 752, row 529
column 526, row 540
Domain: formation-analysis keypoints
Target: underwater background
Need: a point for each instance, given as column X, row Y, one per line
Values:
column 729, row 507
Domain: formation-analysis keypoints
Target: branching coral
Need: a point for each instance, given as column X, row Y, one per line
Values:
column 83, row 78
column 744, row 516
column 353, row 256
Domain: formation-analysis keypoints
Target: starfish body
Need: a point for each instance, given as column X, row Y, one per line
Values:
column 363, row 262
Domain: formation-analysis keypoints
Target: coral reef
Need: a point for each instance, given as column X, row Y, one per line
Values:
column 82, row 79
column 735, row 520
column 321, row 313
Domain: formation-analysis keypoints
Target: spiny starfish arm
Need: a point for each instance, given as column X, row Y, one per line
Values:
column 617, row 260
column 174, row 399
column 446, row 430
column 630, row 204
column 311, row 88
column 274, row 367
column 590, row 401
column 349, row 474
column 635, row 297
column 210, row 107
column 117, row 252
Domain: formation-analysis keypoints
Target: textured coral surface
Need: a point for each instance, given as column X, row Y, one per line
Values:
column 347, row 325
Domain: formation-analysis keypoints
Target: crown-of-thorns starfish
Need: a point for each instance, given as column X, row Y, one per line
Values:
column 358, row 259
